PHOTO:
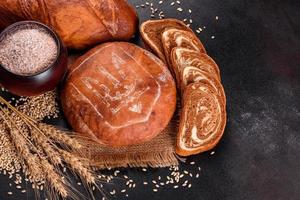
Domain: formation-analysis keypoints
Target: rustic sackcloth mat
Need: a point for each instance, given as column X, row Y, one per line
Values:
column 159, row 152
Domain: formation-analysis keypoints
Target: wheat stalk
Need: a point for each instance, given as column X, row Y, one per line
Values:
column 56, row 181
column 59, row 136
column 78, row 167
column 48, row 148
column 22, row 147
column 55, row 134
column 30, row 136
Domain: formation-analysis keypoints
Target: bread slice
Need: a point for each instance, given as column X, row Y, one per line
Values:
column 192, row 74
column 202, row 122
column 151, row 31
column 182, row 57
column 173, row 37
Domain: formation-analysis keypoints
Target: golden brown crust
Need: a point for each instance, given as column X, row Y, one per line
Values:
column 80, row 24
column 202, row 122
column 151, row 31
column 173, row 37
column 119, row 94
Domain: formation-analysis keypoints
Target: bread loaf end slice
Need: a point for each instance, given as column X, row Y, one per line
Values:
column 151, row 31
column 203, row 120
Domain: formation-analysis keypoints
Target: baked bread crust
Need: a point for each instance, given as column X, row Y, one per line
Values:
column 80, row 24
column 151, row 31
column 202, row 121
column 119, row 94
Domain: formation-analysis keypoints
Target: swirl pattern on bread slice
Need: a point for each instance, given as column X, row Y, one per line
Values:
column 182, row 57
column 202, row 121
column 173, row 37
column 192, row 74
column 151, row 31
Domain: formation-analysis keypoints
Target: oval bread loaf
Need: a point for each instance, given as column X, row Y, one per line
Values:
column 79, row 23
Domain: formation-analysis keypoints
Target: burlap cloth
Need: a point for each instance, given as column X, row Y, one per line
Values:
column 159, row 152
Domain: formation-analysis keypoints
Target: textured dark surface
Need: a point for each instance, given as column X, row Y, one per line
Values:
column 257, row 46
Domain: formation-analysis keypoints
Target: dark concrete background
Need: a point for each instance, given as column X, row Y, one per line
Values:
column 257, row 47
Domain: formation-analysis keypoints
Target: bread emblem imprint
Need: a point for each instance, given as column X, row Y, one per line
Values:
column 120, row 90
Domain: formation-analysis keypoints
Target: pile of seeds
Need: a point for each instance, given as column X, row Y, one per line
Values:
column 37, row 107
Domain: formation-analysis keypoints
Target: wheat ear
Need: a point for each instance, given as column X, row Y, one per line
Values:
column 48, row 148
column 55, row 180
column 59, row 136
column 25, row 154
column 75, row 163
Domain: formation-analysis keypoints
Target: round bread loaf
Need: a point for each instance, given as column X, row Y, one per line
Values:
column 119, row 94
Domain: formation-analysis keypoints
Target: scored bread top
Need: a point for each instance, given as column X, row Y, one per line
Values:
column 202, row 121
column 151, row 31
column 173, row 37
column 119, row 94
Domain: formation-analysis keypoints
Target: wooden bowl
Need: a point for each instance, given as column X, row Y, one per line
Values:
column 46, row 80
